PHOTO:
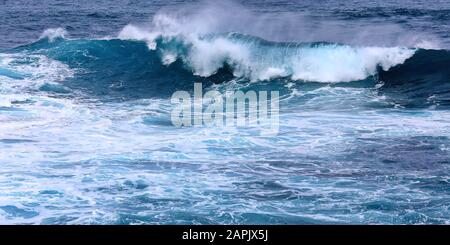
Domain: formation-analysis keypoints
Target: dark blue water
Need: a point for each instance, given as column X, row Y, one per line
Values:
column 86, row 135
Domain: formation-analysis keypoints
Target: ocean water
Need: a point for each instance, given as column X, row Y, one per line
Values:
column 85, row 112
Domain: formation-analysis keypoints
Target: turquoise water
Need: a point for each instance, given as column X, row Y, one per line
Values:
column 86, row 135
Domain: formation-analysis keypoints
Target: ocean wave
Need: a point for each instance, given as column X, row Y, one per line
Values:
column 258, row 59
column 144, row 64
column 422, row 80
column 53, row 33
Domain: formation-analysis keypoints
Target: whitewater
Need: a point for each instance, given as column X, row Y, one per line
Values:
column 86, row 135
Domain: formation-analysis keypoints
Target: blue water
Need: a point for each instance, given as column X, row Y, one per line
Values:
column 86, row 136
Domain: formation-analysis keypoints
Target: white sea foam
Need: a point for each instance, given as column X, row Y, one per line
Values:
column 54, row 33
column 257, row 59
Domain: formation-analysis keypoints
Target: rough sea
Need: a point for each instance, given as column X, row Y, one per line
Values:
column 85, row 112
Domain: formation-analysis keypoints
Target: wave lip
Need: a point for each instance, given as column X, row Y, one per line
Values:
column 257, row 59
column 54, row 33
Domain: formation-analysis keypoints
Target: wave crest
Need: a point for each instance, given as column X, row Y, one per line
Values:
column 257, row 59
column 53, row 33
